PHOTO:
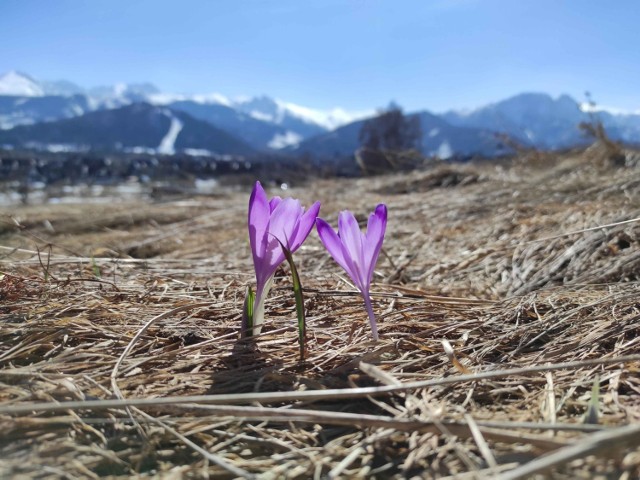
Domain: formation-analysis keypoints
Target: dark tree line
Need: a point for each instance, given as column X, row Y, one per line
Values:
column 391, row 131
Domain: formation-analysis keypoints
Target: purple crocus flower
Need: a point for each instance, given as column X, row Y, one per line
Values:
column 355, row 251
column 272, row 223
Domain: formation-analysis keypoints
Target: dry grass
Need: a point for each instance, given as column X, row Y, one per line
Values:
column 119, row 354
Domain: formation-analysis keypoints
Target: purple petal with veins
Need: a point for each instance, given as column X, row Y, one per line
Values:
column 355, row 252
column 271, row 221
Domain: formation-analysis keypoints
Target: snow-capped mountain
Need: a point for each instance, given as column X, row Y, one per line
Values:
column 266, row 124
column 439, row 138
column 544, row 122
column 534, row 119
column 122, row 93
column 19, row 84
column 25, row 101
column 62, row 88
column 272, row 111
column 263, row 122
column 27, row 110
column 620, row 126
column 257, row 133
column 137, row 128
column 295, row 116
column 289, row 123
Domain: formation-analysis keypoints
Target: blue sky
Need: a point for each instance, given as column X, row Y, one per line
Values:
column 356, row 54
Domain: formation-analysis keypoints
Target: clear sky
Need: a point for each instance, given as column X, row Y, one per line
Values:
column 356, row 54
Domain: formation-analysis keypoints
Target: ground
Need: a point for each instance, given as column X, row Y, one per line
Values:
column 507, row 300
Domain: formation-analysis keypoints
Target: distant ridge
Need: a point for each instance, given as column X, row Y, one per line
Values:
column 265, row 124
column 137, row 127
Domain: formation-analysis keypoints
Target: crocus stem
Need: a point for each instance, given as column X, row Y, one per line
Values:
column 372, row 317
column 258, row 311
column 297, row 290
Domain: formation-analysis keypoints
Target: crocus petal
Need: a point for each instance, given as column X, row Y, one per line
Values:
column 282, row 225
column 259, row 213
column 334, row 246
column 272, row 257
column 332, row 243
column 305, row 224
column 376, row 228
column 352, row 240
column 356, row 253
column 274, row 202
column 272, row 223
column 284, row 220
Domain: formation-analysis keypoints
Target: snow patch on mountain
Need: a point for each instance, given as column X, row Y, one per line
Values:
column 61, row 87
column 444, row 151
column 215, row 98
column 10, row 121
column 140, row 150
column 54, row 147
column 123, row 93
column 287, row 139
column 205, row 99
column 279, row 112
column 76, row 110
column 265, row 117
column 65, row 147
column 198, row 152
column 587, row 107
column 18, row 84
column 119, row 89
column 329, row 119
column 167, row 144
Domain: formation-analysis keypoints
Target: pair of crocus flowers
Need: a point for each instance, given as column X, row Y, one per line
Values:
column 279, row 223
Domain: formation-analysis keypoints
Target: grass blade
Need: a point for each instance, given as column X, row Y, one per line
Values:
column 247, row 312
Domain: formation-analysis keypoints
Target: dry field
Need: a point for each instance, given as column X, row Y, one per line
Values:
column 120, row 358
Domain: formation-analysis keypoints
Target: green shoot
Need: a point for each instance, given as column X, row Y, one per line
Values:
column 96, row 269
column 247, row 312
column 592, row 413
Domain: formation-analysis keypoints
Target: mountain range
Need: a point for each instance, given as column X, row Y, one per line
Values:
column 137, row 128
column 140, row 118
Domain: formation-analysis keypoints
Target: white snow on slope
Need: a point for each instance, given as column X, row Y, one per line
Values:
column 65, row 147
column 119, row 89
column 587, row 107
column 76, row 110
column 19, row 84
column 140, row 150
column 212, row 98
column 330, row 119
column 265, row 117
column 199, row 152
column 279, row 112
column 167, row 145
column 10, row 121
column 444, row 151
column 206, row 99
column 284, row 140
